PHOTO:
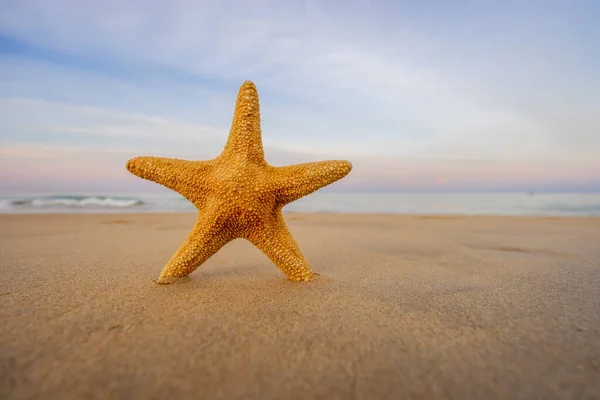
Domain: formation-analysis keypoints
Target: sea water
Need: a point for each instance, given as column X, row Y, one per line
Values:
column 567, row 204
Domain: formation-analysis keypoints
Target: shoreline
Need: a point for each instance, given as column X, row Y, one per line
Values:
column 480, row 204
column 306, row 213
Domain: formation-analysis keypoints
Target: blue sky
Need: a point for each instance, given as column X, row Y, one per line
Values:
column 418, row 95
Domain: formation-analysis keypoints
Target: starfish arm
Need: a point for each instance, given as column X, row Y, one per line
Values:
column 206, row 238
column 277, row 243
column 245, row 140
column 296, row 181
column 185, row 177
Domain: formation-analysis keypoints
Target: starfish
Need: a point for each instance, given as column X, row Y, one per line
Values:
column 239, row 195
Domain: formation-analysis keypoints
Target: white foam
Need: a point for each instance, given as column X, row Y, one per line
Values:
column 75, row 202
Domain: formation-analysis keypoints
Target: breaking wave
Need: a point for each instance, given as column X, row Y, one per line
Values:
column 71, row 202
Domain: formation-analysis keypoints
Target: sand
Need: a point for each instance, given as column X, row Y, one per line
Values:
column 409, row 307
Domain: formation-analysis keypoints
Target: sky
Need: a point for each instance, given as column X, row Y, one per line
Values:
column 430, row 95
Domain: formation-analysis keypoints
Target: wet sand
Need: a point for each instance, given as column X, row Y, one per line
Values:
column 406, row 307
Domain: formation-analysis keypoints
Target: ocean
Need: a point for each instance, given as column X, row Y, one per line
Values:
column 551, row 204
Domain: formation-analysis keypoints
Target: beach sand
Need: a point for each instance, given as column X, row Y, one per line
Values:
column 406, row 307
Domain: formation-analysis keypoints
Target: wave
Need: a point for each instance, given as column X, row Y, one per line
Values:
column 587, row 209
column 70, row 202
column 464, row 204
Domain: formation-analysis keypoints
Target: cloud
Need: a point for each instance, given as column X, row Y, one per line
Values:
column 445, row 94
column 54, row 117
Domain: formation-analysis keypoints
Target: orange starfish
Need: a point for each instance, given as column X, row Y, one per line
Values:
column 239, row 195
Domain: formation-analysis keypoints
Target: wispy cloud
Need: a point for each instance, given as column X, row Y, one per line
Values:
column 55, row 117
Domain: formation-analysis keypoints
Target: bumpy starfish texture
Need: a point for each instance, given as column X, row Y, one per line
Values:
column 239, row 195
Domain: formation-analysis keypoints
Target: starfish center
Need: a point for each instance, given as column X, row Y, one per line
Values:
column 244, row 192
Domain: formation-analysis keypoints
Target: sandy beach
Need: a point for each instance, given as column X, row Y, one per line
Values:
column 405, row 307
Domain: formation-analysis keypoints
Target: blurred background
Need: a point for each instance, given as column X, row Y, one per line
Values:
column 463, row 106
